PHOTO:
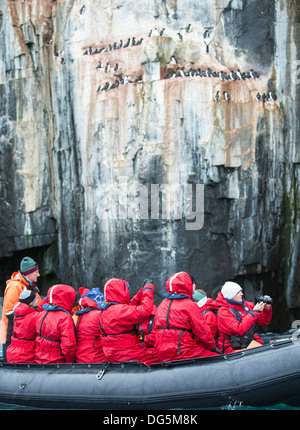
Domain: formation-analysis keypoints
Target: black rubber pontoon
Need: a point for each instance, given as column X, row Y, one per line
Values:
column 259, row 377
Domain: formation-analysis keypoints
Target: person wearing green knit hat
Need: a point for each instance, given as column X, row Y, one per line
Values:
column 29, row 267
column 24, row 279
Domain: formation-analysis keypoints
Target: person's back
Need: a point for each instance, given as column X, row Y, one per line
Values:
column 180, row 330
column 56, row 341
column 209, row 309
column 22, row 347
column 118, row 318
column 89, row 346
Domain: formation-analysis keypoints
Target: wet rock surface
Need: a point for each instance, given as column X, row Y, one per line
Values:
column 202, row 94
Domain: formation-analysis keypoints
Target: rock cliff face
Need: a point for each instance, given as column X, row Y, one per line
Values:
column 145, row 138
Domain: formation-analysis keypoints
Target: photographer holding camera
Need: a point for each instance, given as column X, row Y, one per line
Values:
column 238, row 319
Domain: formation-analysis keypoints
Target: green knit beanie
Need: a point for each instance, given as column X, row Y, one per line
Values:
column 28, row 265
column 198, row 296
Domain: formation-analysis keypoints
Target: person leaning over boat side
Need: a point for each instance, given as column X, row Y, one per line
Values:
column 118, row 318
column 56, row 341
column 209, row 309
column 22, row 347
column 89, row 346
column 24, row 279
column 180, row 329
column 238, row 319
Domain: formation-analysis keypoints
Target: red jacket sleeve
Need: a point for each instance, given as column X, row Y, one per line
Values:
column 133, row 314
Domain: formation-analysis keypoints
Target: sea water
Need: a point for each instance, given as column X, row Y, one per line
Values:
column 229, row 407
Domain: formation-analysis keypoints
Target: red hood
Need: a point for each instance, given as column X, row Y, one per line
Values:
column 220, row 300
column 21, row 309
column 62, row 295
column 180, row 283
column 116, row 290
column 209, row 304
column 86, row 302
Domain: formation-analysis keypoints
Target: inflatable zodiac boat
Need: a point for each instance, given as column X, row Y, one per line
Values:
column 257, row 377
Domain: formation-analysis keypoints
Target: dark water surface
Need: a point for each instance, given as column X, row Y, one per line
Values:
column 279, row 407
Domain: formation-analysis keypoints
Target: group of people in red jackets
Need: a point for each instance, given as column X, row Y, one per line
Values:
column 113, row 327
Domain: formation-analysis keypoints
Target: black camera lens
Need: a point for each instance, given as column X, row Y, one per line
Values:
column 265, row 299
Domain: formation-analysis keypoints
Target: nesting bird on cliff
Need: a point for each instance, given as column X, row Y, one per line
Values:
column 239, row 75
column 226, row 95
column 258, row 96
column 127, row 43
column 254, row 74
column 107, row 67
column 272, row 96
column 180, row 36
column 173, row 60
column 217, row 96
column 189, row 28
column 208, row 73
column 207, row 33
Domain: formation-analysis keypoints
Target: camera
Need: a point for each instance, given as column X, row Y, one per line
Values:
column 265, row 299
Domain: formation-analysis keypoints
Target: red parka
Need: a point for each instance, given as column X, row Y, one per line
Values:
column 118, row 318
column 210, row 311
column 180, row 329
column 89, row 346
column 56, row 341
column 229, row 325
column 22, row 347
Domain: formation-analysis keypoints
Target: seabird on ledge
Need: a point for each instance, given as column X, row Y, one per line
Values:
column 127, row 43
column 272, row 96
column 173, row 60
column 227, row 95
column 217, row 96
